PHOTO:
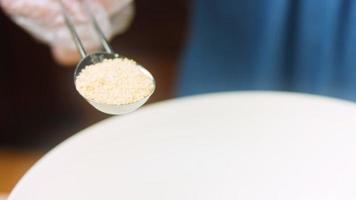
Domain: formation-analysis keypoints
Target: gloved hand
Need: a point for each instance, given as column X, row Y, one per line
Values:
column 43, row 19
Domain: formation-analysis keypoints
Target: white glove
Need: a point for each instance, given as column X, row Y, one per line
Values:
column 43, row 19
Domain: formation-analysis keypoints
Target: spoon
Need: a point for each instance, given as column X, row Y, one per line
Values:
column 97, row 57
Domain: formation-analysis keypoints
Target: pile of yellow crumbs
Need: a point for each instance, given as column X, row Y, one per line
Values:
column 114, row 81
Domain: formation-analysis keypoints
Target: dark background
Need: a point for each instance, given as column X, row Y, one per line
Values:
column 39, row 104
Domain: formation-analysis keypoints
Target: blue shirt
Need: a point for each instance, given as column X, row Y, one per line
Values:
column 305, row 45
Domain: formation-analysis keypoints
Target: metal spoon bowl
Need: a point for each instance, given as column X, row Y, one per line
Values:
column 110, row 108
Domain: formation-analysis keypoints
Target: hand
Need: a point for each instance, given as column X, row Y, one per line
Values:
column 43, row 19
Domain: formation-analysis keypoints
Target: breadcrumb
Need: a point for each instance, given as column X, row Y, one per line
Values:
column 114, row 81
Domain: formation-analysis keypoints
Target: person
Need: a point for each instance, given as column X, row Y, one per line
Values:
column 43, row 20
column 304, row 46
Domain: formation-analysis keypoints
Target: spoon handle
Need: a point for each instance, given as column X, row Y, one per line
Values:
column 78, row 43
column 105, row 44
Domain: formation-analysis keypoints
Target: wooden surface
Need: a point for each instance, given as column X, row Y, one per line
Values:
column 13, row 165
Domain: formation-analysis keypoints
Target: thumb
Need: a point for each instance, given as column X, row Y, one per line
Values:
column 65, row 57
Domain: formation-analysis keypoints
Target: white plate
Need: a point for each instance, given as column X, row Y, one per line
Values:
column 232, row 146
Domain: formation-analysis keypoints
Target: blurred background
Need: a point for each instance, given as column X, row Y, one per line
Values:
column 40, row 107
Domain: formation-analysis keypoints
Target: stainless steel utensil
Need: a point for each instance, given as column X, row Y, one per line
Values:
column 88, row 59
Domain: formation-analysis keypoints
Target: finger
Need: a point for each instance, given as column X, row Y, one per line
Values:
column 65, row 57
column 113, row 6
column 75, row 10
column 42, row 11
